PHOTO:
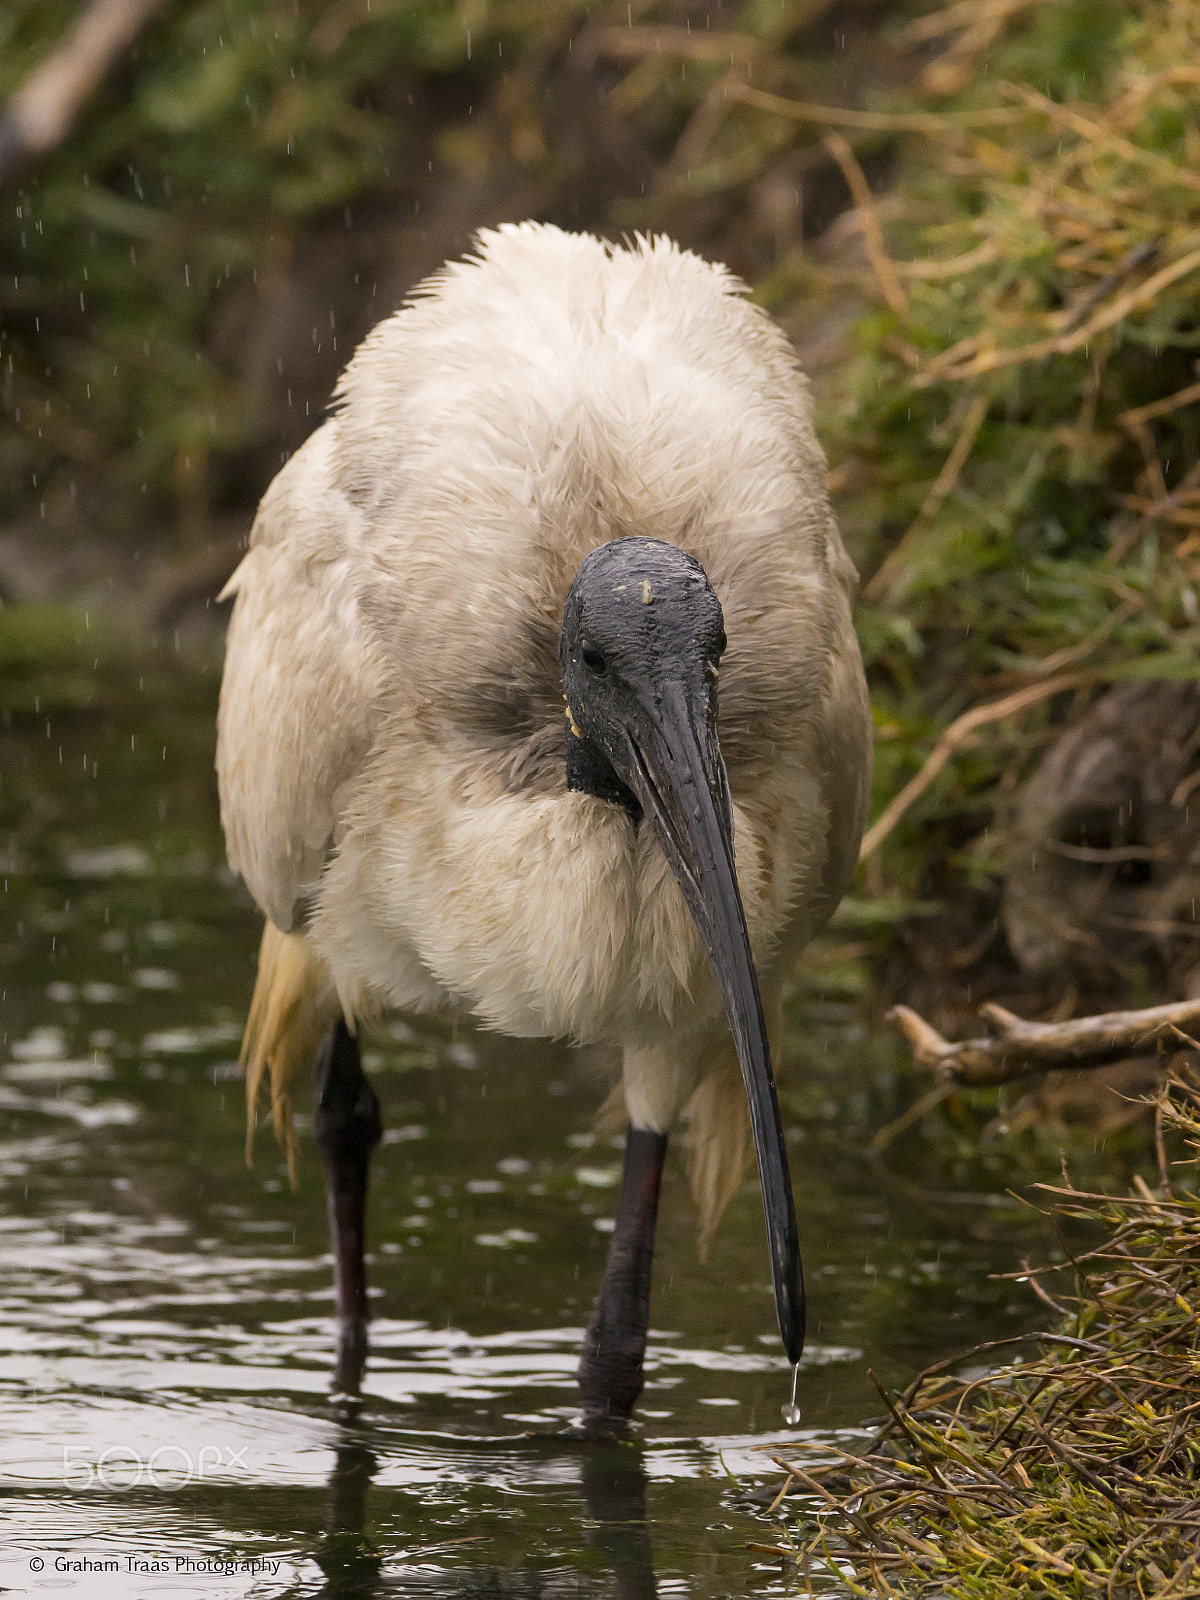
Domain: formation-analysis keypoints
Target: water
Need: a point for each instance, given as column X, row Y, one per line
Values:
column 167, row 1335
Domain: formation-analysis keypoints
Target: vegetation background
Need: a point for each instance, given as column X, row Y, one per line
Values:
column 979, row 223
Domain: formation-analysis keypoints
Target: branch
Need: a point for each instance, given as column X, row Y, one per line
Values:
column 1160, row 408
column 40, row 114
column 956, row 735
column 1063, row 344
column 1017, row 1049
column 936, row 126
column 942, row 485
column 635, row 43
column 864, row 203
column 1096, row 133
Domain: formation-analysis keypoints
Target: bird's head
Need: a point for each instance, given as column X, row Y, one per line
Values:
column 642, row 637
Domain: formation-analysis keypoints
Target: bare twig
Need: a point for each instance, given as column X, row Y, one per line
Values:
column 1016, row 1048
column 940, row 488
column 990, row 359
column 954, row 266
column 1083, row 647
column 864, row 202
column 1139, row 256
column 1160, row 408
column 940, row 127
column 956, row 735
column 1043, row 1294
column 965, row 14
column 898, row 1125
column 1096, row 133
column 1161, row 510
column 42, row 110
column 663, row 39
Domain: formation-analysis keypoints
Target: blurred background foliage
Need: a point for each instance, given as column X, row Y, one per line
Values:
column 980, row 224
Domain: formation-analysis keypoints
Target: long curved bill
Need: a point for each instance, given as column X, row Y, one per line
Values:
column 678, row 775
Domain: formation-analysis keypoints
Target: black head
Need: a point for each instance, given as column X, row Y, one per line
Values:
column 642, row 635
column 641, row 623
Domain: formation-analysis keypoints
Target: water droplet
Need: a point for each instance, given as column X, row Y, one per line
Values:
column 791, row 1411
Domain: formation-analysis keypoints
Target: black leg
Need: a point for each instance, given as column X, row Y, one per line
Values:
column 347, row 1127
column 610, row 1369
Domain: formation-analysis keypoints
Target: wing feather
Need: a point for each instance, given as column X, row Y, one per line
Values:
column 298, row 701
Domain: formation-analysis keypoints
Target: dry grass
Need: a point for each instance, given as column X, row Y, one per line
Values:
column 1015, row 427
column 1074, row 1474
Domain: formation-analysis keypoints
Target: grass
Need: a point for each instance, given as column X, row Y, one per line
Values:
column 1069, row 1475
column 1016, row 429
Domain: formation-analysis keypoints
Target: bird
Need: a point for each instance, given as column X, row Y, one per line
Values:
column 542, row 704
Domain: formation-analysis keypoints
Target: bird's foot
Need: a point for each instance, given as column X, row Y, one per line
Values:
column 601, row 1425
column 611, row 1377
column 350, row 1358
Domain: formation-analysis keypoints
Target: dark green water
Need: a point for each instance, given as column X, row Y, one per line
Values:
column 166, row 1333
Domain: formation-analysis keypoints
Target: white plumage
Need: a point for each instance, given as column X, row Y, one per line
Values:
column 390, row 758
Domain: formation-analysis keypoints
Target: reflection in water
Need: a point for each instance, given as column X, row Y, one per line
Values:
column 167, row 1312
column 614, row 1497
column 612, row 1481
column 352, row 1566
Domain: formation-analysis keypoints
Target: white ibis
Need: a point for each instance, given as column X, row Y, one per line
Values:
column 470, row 752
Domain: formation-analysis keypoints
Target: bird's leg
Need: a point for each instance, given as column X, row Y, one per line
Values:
column 347, row 1128
column 610, row 1369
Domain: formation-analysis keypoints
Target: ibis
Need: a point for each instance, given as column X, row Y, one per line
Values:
column 542, row 704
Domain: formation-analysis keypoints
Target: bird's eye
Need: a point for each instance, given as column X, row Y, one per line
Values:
column 592, row 658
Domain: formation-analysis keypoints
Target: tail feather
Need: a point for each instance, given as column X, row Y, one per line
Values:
column 718, row 1134
column 613, row 1116
column 294, row 1004
column 719, row 1124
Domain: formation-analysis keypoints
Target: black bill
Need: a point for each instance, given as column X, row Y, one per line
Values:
column 679, row 778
